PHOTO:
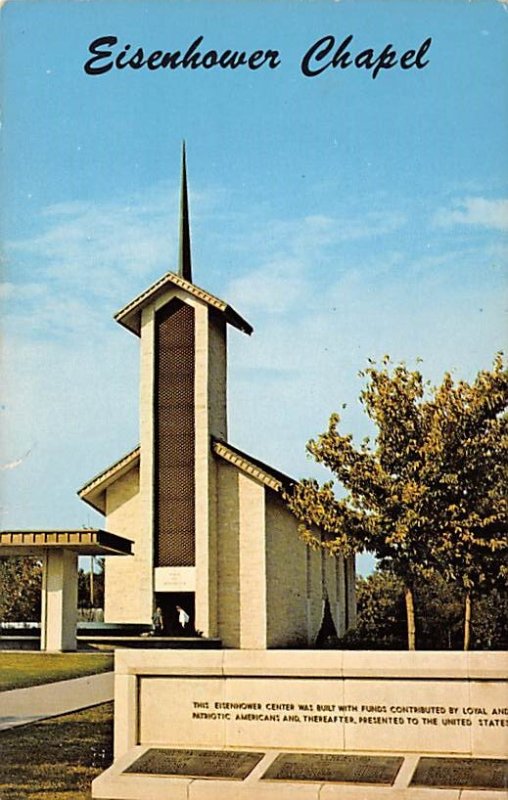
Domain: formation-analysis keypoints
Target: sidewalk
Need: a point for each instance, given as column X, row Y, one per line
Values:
column 21, row 706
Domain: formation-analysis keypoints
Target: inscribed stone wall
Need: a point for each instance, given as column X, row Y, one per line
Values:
column 333, row 701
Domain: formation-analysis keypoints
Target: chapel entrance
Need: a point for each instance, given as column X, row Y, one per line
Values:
column 168, row 602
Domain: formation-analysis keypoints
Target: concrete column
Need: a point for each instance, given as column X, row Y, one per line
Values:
column 59, row 600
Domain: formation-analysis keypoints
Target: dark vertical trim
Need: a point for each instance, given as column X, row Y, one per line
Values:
column 184, row 248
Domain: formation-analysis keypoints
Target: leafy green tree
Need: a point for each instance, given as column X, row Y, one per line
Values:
column 91, row 585
column 20, row 589
column 489, row 629
column 427, row 495
column 381, row 615
column 467, row 470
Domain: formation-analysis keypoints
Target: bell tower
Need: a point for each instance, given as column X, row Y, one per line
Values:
column 204, row 516
column 183, row 361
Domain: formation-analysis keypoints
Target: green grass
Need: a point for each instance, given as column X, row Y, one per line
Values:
column 56, row 759
column 18, row 670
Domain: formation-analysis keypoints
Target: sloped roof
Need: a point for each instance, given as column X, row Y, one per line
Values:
column 267, row 475
column 130, row 315
column 94, row 491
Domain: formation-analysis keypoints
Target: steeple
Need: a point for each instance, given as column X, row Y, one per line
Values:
column 184, row 246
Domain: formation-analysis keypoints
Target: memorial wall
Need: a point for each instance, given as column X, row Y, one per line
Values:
column 453, row 703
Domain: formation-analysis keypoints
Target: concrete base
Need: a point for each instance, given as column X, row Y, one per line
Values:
column 407, row 705
column 115, row 784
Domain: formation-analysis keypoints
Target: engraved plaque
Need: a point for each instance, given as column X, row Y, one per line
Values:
column 329, row 768
column 196, row 763
column 461, row 773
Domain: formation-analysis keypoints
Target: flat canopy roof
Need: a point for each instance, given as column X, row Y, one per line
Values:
column 85, row 542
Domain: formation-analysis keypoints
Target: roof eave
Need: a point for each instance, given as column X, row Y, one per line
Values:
column 96, row 500
column 271, row 478
column 85, row 541
column 94, row 491
column 130, row 315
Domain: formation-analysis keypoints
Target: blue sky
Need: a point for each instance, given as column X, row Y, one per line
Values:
column 344, row 217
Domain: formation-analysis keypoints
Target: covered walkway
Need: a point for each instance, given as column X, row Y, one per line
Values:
column 59, row 551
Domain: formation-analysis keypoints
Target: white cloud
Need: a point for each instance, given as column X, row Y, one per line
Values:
column 297, row 369
column 72, row 402
column 87, row 260
column 289, row 252
column 275, row 287
column 98, row 245
column 91, row 258
column 476, row 211
column 17, row 462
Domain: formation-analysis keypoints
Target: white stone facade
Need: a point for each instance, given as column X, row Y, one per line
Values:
column 255, row 584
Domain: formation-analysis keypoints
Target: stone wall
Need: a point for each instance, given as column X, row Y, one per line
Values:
column 128, row 580
column 293, row 614
column 336, row 701
column 228, row 565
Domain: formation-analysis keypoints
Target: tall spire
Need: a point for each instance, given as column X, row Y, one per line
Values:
column 184, row 247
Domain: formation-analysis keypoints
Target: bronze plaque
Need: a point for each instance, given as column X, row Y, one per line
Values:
column 330, row 768
column 461, row 773
column 196, row 763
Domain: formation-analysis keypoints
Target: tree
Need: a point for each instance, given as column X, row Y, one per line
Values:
column 490, row 626
column 380, row 615
column 91, row 585
column 20, row 589
column 468, row 472
column 427, row 495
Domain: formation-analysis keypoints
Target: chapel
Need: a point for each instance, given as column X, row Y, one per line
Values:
column 210, row 530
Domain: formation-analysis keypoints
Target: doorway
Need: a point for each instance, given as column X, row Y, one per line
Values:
column 168, row 602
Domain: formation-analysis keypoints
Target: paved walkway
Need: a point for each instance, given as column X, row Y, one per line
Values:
column 21, row 706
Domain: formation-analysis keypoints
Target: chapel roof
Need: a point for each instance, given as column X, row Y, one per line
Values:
column 94, row 491
column 130, row 315
column 269, row 476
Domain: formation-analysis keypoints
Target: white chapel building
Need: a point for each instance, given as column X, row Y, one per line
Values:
column 211, row 532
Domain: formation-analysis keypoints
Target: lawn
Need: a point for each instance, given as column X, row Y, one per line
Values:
column 31, row 669
column 56, row 759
